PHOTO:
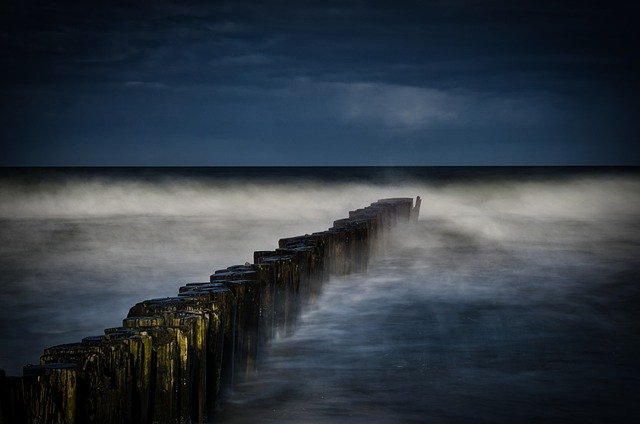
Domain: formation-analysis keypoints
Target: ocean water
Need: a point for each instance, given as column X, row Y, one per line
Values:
column 515, row 298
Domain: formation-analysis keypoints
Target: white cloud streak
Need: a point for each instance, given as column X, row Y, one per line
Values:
column 399, row 106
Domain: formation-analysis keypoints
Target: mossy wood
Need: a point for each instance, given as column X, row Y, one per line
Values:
column 173, row 358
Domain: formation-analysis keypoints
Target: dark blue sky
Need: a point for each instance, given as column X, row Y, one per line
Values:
column 458, row 82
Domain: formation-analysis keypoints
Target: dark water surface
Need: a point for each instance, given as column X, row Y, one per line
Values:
column 515, row 298
column 453, row 327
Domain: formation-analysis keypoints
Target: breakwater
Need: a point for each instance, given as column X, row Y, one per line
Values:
column 173, row 358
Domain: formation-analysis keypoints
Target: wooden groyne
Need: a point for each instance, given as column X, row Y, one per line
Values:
column 174, row 358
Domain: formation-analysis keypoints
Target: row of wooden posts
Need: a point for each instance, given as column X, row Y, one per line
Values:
column 174, row 358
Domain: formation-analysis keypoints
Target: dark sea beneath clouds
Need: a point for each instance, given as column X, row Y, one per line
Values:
column 514, row 299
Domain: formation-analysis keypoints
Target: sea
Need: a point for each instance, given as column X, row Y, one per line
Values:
column 514, row 299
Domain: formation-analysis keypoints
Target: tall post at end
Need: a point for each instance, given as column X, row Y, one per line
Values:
column 415, row 211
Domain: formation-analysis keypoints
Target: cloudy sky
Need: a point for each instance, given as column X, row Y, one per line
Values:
column 449, row 82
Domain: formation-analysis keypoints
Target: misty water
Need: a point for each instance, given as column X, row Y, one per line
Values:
column 515, row 298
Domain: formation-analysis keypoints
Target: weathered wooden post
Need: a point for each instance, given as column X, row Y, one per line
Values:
column 201, row 317
column 243, row 283
column 50, row 393
column 173, row 357
column 169, row 394
column 415, row 211
column 220, row 337
column 106, row 379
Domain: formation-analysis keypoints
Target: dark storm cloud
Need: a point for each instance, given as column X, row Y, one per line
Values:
column 439, row 82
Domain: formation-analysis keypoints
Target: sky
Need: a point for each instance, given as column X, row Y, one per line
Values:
column 211, row 83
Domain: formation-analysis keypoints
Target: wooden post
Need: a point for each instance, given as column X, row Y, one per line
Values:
column 173, row 357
